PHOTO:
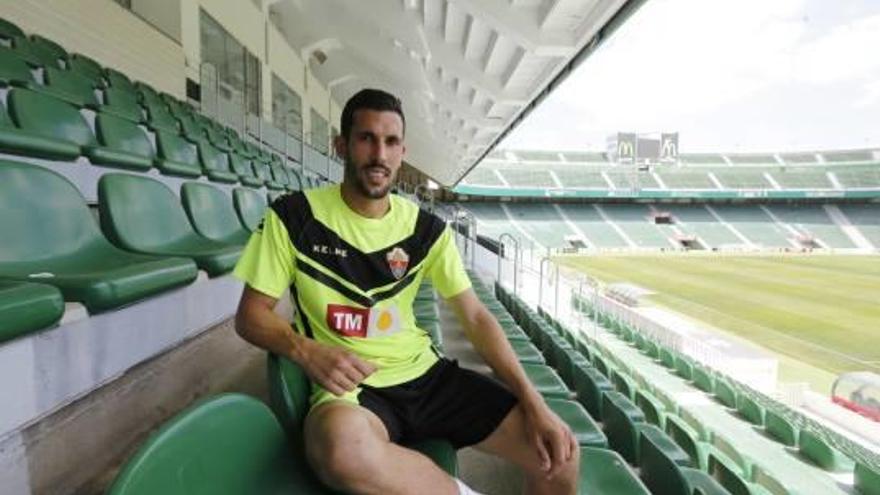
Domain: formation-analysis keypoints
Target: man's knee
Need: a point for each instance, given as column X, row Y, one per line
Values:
column 341, row 445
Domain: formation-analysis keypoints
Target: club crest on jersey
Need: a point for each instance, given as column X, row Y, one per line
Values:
column 398, row 261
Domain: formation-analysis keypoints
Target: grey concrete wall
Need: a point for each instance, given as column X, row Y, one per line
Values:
column 78, row 449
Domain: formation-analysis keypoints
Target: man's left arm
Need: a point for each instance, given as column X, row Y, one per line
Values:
column 551, row 436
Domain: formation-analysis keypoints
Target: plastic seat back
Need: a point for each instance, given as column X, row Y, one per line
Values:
column 118, row 80
column 14, row 70
column 122, row 103
column 229, row 444
column 43, row 216
column 212, row 159
column 48, row 48
column 122, row 135
column 70, row 86
column 176, row 149
column 210, row 211
column 294, row 181
column 48, row 117
column 250, row 207
column 34, row 55
column 85, row 66
column 139, row 213
column 620, row 417
column 660, row 472
column 289, row 392
column 9, row 30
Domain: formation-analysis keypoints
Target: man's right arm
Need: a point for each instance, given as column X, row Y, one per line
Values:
column 332, row 367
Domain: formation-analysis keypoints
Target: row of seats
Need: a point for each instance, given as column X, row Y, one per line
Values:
column 738, row 400
column 148, row 241
column 50, row 89
column 664, row 467
column 709, row 452
column 602, row 468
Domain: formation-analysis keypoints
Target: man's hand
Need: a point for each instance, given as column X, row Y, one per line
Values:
column 333, row 368
column 552, row 438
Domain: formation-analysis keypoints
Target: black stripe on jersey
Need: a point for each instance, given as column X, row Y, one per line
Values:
column 361, row 299
column 366, row 271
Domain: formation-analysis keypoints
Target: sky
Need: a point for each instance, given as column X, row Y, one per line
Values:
column 728, row 75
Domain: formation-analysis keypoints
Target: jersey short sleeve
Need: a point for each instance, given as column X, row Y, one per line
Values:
column 267, row 264
column 444, row 267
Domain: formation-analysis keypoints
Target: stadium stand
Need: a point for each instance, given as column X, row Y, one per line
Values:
column 634, row 221
column 600, row 233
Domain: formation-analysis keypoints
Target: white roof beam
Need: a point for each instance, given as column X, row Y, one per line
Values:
column 525, row 32
column 547, row 11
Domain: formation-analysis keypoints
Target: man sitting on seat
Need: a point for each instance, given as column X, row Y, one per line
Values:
column 353, row 256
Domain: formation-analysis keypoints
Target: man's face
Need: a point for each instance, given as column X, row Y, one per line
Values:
column 373, row 152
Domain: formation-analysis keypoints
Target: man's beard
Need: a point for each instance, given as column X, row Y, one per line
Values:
column 355, row 177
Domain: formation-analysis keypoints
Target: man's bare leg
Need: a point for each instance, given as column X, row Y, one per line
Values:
column 348, row 447
column 510, row 441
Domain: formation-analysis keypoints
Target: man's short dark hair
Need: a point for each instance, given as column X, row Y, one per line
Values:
column 370, row 99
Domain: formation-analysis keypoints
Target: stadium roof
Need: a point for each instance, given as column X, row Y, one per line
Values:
column 466, row 70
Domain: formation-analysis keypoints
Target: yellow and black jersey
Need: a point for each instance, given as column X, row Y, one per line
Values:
column 353, row 279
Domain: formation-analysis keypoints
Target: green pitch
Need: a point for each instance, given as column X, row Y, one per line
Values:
column 821, row 310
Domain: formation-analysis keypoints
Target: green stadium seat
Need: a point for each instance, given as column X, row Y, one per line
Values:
column 725, row 393
column 8, row 30
column 68, row 86
column 215, row 164
column 147, row 94
column 35, row 54
column 655, row 412
column 750, row 410
column 48, row 49
column 14, row 70
column 662, row 442
column 264, row 175
column 703, row 379
column 122, row 103
column 526, row 352
column 867, row 481
column 604, row 472
column 217, row 138
column 191, row 129
column 686, row 438
column 211, row 213
column 243, row 169
column 591, row 386
column 664, row 471
column 230, row 444
column 600, row 364
column 176, row 156
column 667, row 358
column 621, row 420
column 160, row 119
column 27, row 307
column 727, row 474
column 289, row 391
column 279, row 175
column 622, row 383
column 546, row 381
column 585, row 430
column 122, row 144
column 294, row 181
column 780, row 429
column 86, row 67
column 141, row 214
column 52, row 238
column 118, row 80
column 820, row 453
column 249, row 206
column 46, row 127
column 684, row 368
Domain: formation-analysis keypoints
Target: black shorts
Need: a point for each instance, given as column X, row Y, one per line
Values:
column 447, row 402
